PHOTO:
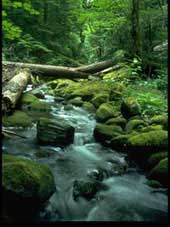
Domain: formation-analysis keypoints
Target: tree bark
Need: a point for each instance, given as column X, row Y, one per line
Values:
column 96, row 67
column 63, row 72
column 14, row 89
column 50, row 70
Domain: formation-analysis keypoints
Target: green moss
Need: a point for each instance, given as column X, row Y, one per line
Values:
column 118, row 121
column 39, row 106
column 106, row 110
column 76, row 101
column 160, row 172
column 28, row 98
column 116, row 91
column 89, row 107
column 99, row 99
column 26, row 178
column 130, row 107
column 154, row 184
column 161, row 120
column 156, row 138
column 151, row 128
column 106, row 132
column 17, row 119
column 156, row 158
column 134, row 125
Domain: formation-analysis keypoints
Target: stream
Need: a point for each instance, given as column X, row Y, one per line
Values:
column 127, row 198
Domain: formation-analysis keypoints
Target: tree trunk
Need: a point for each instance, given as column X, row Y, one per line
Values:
column 135, row 28
column 14, row 89
column 50, row 70
column 63, row 72
column 96, row 67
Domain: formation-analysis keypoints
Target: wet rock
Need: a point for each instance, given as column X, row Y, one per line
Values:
column 54, row 132
column 76, row 101
column 154, row 184
column 17, row 119
column 102, row 133
column 87, row 188
column 26, row 185
column 130, row 107
column 154, row 159
column 160, row 172
column 89, row 107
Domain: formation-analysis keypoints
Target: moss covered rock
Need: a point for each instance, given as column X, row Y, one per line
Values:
column 151, row 128
column 157, row 139
column 76, row 101
column 26, row 185
column 28, row 98
column 27, row 178
column 89, row 107
column 117, row 121
column 106, row 111
column 160, row 120
column 17, row 119
column 160, row 172
column 116, row 91
column 99, row 99
column 104, row 133
column 154, row 159
column 121, row 142
column 154, row 184
column 135, row 124
column 130, row 107
column 39, row 106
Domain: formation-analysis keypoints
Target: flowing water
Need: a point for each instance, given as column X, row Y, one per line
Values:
column 128, row 197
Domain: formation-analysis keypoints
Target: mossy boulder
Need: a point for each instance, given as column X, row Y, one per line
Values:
column 39, row 106
column 89, row 107
column 76, row 101
column 106, row 111
column 156, row 139
column 154, row 184
column 87, row 90
column 99, row 99
column 160, row 172
column 135, row 124
column 130, row 107
column 151, row 128
column 121, row 142
column 160, row 120
column 116, row 91
column 28, row 98
column 117, row 121
column 25, row 184
column 54, row 132
column 154, row 159
column 17, row 119
column 104, row 133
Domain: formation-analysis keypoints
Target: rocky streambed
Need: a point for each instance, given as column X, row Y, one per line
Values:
column 85, row 171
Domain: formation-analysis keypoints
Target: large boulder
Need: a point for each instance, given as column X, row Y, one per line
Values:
column 135, row 124
column 117, row 121
column 160, row 172
column 17, row 119
column 154, row 159
column 106, row 111
column 104, row 133
column 160, row 120
column 26, row 185
column 99, row 99
column 156, row 139
column 54, row 132
column 130, row 107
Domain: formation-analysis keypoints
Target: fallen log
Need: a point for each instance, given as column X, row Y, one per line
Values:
column 61, row 71
column 13, row 90
column 108, row 70
column 95, row 67
column 49, row 70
